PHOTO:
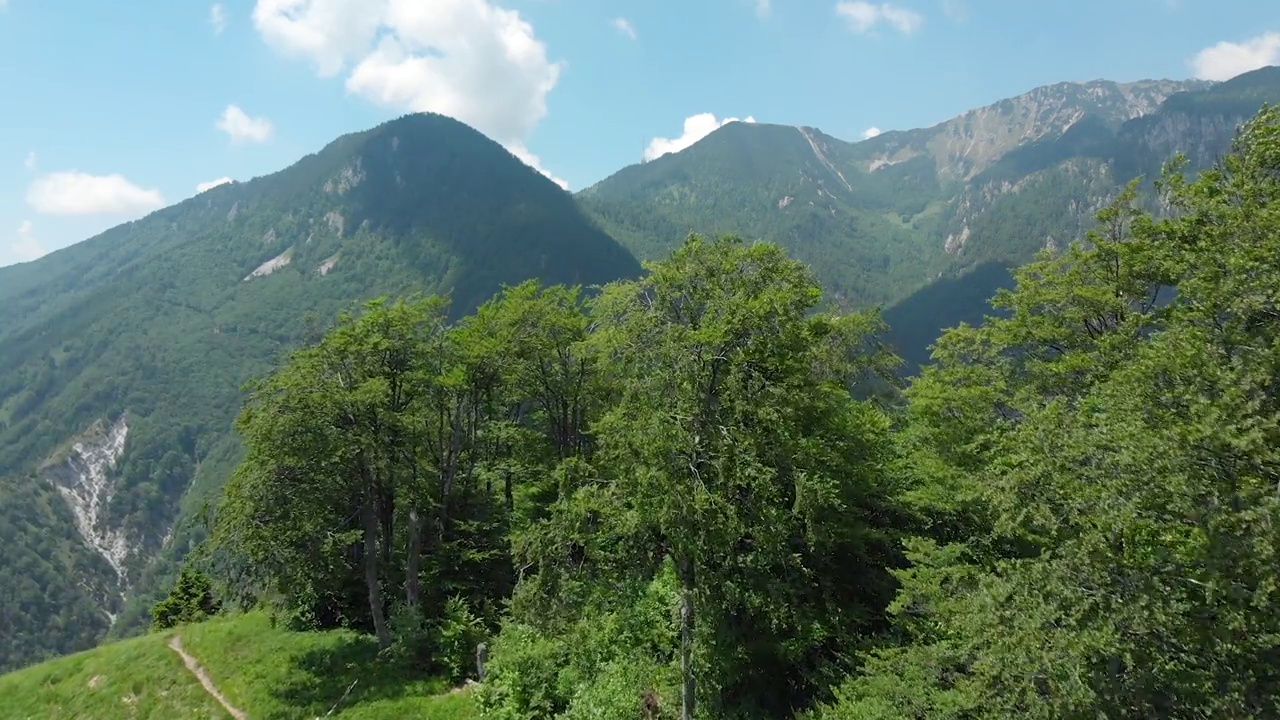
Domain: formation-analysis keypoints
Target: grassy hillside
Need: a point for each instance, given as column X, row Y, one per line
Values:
column 267, row 672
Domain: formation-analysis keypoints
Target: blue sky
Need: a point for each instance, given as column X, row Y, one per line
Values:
column 116, row 108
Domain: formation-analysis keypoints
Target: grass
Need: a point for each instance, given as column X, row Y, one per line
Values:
column 268, row 672
column 137, row 678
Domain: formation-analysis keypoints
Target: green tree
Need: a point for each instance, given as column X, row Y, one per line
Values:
column 192, row 599
column 1126, row 563
column 733, row 452
column 328, row 439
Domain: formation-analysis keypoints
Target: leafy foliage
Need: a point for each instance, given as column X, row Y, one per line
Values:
column 694, row 427
column 192, row 599
column 1120, row 556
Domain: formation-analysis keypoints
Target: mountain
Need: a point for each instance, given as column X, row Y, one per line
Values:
column 882, row 219
column 122, row 357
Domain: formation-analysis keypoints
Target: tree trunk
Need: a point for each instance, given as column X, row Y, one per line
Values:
column 413, row 568
column 369, row 520
column 387, row 510
column 688, row 684
column 508, row 491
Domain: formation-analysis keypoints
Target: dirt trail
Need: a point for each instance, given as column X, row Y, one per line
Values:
column 175, row 644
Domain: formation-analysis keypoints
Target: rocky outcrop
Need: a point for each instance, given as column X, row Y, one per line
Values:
column 271, row 265
column 966, row 145
column 83, row 477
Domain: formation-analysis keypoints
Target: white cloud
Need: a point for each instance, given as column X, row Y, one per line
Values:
column 241, row 127
column 218, row 18
column 624, row 26
column 467, row 59
column 26, row 247
column 329, row 32
column 696, row 127
column 4, row 5
column 535, row 162
column 212, row 184
column 30, row 162
column 862, row 17
column 763, row 8
column 77, row 193
column 1227, row 59
column 870, row 133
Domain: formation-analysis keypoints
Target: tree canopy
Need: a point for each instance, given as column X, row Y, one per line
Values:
column 684, row 495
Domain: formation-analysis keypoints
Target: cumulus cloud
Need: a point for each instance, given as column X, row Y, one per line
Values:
column 467, row 59
column 763, row 8
column 1227, row 59
column 696, row 127
column 78, row 193
column 535, row 162
column 25, row 247
column 218, row 18
column 624, row 26
column 863, row 17
column 30, row 162
column 328, row 32
column 243, row 128
column 870, row 132
column 212, row 184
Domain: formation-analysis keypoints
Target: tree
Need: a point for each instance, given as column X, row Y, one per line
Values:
column 330, row 445
column 191, row 599
column 729, row 390
column 1127, row 564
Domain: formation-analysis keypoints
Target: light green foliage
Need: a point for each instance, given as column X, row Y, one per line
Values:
column 602, row 664
column 362, row 451
column 1125, row 455
column 192, row 599
column 731, row 461
column 387, row 463
column 460, row 633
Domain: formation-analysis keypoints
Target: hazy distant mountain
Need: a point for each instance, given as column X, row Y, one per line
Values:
column 883, row 218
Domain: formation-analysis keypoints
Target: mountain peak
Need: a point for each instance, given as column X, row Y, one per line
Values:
column 971, row 142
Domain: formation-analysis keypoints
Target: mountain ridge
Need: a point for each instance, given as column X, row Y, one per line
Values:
column 882, row 218
column 121, row 357
column 152, row 328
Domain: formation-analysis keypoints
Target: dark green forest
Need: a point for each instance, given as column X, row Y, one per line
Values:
column 690, row 494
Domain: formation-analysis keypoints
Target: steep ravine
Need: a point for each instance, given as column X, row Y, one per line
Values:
column 83, row 477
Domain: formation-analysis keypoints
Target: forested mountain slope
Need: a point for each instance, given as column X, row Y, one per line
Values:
column 882, row 218
column 122, row 357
